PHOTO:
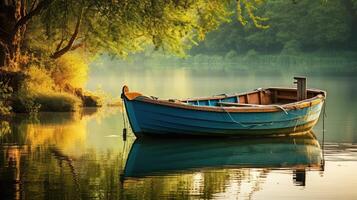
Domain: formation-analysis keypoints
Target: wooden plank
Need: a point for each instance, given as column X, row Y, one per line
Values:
column 242, row 99
column 260, row 97
column 254, row 98
column 286, row 97
column 238, row 104
column 275, row 96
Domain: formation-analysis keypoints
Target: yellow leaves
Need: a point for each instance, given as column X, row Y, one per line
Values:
column 39, row 80
column 250, row 6
column 70, row 69
column 241, row 19
column 4, row 128
column 181, row 25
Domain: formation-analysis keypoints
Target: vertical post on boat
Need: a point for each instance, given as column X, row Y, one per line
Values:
column 301, row 87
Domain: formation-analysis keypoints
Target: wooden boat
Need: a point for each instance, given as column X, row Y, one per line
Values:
column 163, row 156
column 260, row 112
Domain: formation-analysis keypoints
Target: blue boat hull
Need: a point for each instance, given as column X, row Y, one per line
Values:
column 160, row 120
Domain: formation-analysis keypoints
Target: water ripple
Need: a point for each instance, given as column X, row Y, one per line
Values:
column 340, row 151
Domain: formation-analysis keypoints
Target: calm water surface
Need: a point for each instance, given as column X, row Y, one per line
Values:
column 83, row 155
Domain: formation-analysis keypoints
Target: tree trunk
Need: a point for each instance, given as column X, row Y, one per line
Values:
column 11, row 38
column 13, row 56
column 2, row 57
column 13, row 22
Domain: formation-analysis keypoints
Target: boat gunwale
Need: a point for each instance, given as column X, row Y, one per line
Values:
column 320, row 97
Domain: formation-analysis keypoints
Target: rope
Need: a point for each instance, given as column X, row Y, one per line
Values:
column 283, row 109
column 323, row 133
column 242, row 124
column 260, row 124
column 233, row 119
column 122, row 111
column 124, row 121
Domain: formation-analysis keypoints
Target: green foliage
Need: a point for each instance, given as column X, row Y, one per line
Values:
column 32, row 103
column 354, row 4
column 123, row 27
column 129, row 26
column 291, row 47
column 24, row 101
column 306, row 25
column 41, row 89
column 231, row 55
column 251, row 54
column 57, row 102
column 40, row 93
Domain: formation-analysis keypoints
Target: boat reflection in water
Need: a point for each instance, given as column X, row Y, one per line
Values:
column 160, row 157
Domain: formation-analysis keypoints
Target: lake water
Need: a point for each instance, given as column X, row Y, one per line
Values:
column 83, row 155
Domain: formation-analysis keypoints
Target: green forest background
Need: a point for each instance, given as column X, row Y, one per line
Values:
column 305, row 36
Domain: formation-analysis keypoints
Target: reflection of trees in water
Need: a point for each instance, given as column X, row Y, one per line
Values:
column 49, row 173
column 203, row 184
column 47, row 159
column 10, row 180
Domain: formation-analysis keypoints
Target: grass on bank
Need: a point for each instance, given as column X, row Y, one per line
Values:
column 51, row 86
column 46, row 102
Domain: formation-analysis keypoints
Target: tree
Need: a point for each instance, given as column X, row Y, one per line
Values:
column 313, row 25
column 354, row 3
column 51, row 28
column 13, row 22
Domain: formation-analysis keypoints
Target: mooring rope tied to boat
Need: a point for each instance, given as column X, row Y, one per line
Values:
column 246, row 126
column 260, row 124
column 122, row 111
column 323, row 132
column 124, row 121
column 281, row 107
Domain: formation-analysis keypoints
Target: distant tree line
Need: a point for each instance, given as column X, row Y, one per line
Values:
column 302, row 26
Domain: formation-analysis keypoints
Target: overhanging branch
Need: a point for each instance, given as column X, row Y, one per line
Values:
column 23, row 20
column 69, row 45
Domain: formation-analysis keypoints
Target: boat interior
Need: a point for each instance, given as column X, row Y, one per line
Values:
column 269, row 96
